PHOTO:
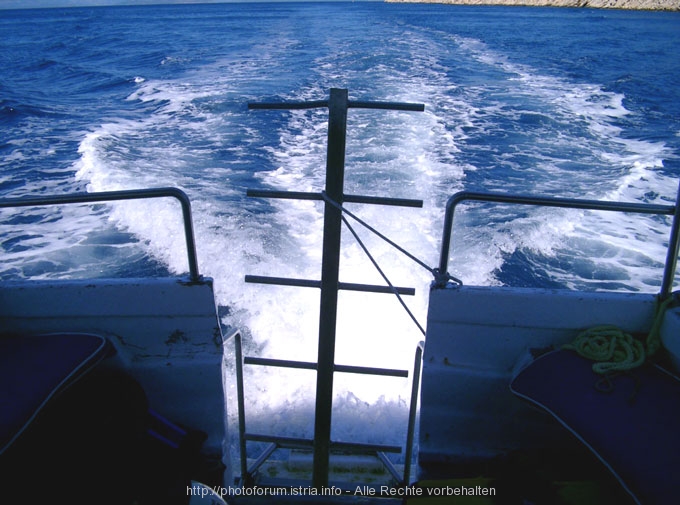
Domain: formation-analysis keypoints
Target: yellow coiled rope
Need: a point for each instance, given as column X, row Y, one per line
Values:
column 613, row 349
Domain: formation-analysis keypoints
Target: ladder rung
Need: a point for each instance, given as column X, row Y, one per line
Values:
column 308, row 283
column 288, row 105
column 386, row 372
column 306, row 365
column 358, row 104
column 282, row 281
column 355, row 104
column 371, row 288
column 284, row 442
column 286, row 195
column 379, row 200
column 364, row 448
column 304, row 195
column 305, row 443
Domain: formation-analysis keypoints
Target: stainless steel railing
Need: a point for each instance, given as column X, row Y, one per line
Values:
column 132, row 194
column 570, row 203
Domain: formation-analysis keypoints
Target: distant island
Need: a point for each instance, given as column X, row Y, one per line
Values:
column 656, row 5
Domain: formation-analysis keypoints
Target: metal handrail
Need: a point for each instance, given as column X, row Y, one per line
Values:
column 570, row 203
column 132, row 194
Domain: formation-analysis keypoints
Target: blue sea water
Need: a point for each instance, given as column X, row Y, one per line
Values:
column 563, row 102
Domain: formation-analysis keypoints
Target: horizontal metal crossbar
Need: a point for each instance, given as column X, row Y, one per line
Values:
column 307, row 365
column 282, row 281
column 315, row 104
column 304, row 443
column 417, row 107
column 386, row 372
column 282, row 363
column 307, row 283
column 378, row 200
column 305, row 195
column 370, row 288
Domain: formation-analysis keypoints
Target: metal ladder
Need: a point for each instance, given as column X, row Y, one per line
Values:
column 325, row 367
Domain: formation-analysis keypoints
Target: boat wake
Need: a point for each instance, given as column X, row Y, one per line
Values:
column 490, row 123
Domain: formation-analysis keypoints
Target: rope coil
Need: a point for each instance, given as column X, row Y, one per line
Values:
column 611, row 348
column 614, row 350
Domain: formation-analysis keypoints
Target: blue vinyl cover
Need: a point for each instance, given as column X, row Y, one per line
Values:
column 633, row 426
column 33, row 369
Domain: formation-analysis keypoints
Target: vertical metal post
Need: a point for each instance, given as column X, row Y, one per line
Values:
column 672, row 252
column 410, row 432
column 330, row 264
column 245, row 478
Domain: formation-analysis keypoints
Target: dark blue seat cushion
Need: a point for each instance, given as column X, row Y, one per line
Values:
column 33, row 369
column 631, row 422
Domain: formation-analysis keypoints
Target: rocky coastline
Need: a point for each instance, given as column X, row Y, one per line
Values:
column 655, row 5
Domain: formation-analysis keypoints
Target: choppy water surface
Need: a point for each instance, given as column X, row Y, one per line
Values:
column 578, row 103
